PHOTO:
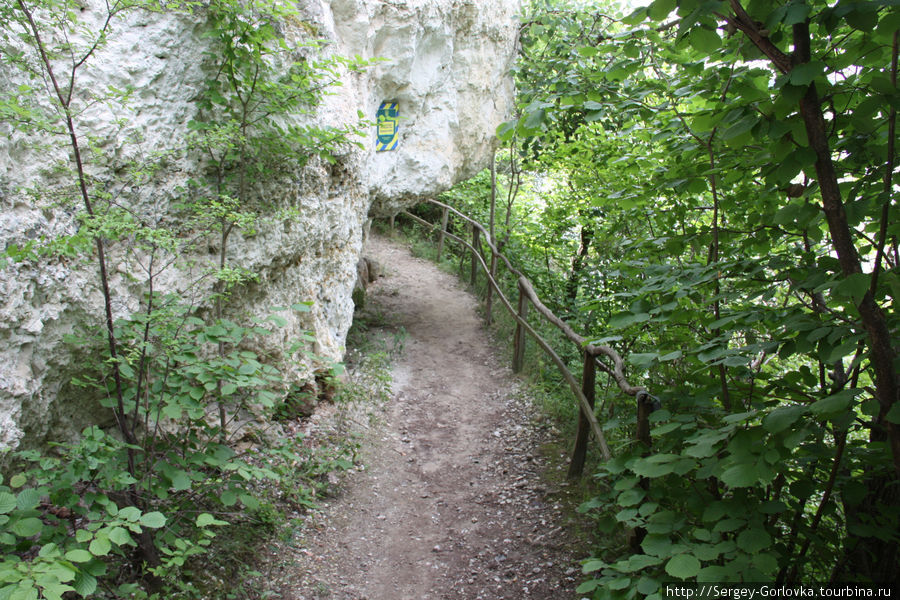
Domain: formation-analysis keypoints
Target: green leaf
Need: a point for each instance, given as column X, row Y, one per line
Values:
column 28, row 499
column 840, row 351
column 248, row 368
column 804, row 74
column 834, row 404
column 655, row 465
column 729, row 525
column 228, row 498
column 119, row 536
column 657, row 545
column 79, row 556
column 588, row 586
column 27, row 527
column 753, row 540
column 740, row 475
column 535, row 119
column 172, row 410
column 249, row 501
column 664, row 429
column 85, row 584
column 7, row 503
column 671, row 356
column 100, row 546
column 714, row 573
column 154, row 520
column 647, row 586
column 180, row 480
column 660, row 9
column 783, row 417
column 704, row 40
column 893, row 415
column 636, row 16
column 506, row 130
column 642, row 360
column 705, row 552
column 855, row 286
column 626, row 514
column 17, row 481
column 592, row 565
column 206, row 519
column 631, row 497
column 625, row 319
column 739, row 417
column 702, row 450
column 796, row 13
column 24, row 591
column 130, row 513
column 863, row 16
column 637, row 562
column 54, row 591
column 683, row 566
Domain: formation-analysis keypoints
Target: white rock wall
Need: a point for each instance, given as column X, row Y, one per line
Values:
column 446, row 63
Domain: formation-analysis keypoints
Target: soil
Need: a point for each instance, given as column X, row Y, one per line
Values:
column 462, row 493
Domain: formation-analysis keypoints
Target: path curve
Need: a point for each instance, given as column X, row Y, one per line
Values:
column 452, row 504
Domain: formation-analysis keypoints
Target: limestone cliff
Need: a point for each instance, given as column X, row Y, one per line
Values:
column 446, row 65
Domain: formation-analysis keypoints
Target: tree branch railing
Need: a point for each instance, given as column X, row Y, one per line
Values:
column 593, row 354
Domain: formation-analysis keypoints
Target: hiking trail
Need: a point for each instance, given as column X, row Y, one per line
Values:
column 452, row 503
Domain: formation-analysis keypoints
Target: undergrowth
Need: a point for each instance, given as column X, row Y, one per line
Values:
column 254, row 557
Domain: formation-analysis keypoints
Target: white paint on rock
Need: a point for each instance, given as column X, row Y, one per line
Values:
column 447, row 64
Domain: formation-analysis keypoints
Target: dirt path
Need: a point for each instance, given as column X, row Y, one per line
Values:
column 452, row 504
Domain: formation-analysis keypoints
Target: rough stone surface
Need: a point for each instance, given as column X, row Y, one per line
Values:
column 446, row 63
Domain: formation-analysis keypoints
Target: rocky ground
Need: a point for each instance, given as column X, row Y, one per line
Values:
column 463, row 495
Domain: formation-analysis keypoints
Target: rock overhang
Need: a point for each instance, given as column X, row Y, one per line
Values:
column 445, row 62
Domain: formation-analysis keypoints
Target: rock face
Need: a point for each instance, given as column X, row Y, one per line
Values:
column 445, row 63
column 451, row 93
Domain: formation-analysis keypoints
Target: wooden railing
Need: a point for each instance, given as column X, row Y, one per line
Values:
column 595, row 356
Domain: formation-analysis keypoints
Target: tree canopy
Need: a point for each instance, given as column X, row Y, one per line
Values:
column 718, row 201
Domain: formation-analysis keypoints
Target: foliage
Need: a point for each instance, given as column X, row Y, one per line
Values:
column 709, row 187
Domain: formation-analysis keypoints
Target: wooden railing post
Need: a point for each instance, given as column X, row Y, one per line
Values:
column 519, row 338
column 476, row 243
column 462, row 257
column 646, row 404
column 440, row 247
column 489, row 299
column 588, row 388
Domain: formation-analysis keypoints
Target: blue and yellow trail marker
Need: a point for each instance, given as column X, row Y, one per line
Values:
column 387, row 123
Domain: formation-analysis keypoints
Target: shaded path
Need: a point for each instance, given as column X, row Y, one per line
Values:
column 452, row 505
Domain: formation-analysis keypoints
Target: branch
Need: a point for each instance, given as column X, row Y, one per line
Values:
column 743, row 22
column 888, row 174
